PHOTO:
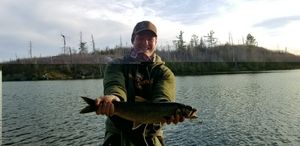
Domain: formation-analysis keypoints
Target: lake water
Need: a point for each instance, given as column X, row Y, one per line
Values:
column 239, row 109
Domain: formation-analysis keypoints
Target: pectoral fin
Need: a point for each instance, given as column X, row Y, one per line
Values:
column 167, row 117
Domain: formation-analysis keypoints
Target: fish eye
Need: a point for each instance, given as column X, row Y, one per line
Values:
column 187, row 107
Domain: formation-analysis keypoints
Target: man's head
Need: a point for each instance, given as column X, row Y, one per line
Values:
column 144, row 38
column 143, row 26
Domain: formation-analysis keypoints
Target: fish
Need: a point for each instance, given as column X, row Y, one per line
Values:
column 145, row 112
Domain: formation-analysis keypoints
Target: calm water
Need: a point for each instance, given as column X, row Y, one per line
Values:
column 243, row 109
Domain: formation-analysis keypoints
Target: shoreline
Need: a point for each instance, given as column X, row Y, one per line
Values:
column 179, row 75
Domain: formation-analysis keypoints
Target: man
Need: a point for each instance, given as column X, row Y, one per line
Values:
column 138, row 77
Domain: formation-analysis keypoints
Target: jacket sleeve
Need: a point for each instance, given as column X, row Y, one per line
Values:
column 164, row 86
column 114, row 81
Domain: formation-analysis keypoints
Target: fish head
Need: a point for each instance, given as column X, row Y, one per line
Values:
column 187, row 112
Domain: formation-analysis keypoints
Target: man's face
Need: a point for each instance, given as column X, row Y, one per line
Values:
column 145, row 42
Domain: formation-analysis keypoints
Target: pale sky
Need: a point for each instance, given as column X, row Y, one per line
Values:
column 274, row 23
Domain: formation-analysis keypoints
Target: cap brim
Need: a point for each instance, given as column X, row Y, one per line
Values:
column 146, row 30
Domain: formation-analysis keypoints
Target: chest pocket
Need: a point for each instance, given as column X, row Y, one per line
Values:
column 138, row 83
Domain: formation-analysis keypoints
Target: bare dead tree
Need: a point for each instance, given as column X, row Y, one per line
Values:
column 230, row 39
column 121, row 44
column 30, row 49
column 93, row 43
column 64, row 41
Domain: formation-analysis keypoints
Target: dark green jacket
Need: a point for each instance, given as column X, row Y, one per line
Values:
column 132, row 82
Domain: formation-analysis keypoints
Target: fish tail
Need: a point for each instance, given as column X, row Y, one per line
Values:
column 89, row 101
column 91, row 105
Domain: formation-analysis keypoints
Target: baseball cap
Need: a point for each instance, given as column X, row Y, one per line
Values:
column 142, row 26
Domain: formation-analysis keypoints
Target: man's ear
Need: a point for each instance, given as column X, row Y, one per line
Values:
column 132, row 38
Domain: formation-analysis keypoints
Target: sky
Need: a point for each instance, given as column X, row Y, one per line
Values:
column 273, row 23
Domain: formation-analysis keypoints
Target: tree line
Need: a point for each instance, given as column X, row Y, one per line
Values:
column 202, row 55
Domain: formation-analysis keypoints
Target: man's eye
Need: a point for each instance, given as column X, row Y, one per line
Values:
column 151, row 40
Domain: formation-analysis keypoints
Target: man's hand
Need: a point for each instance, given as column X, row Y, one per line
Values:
column 105, row 105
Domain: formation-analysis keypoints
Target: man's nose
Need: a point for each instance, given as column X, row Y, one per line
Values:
column 146, row 42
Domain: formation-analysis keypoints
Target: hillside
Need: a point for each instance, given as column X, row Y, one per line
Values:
column 192, row 61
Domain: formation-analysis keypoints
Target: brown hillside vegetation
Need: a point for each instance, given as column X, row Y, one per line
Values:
column 224, row 53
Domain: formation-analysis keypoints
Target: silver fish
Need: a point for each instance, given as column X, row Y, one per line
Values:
column 145, row 112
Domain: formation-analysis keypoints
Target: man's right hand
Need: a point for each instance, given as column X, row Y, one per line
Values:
column 105, row 105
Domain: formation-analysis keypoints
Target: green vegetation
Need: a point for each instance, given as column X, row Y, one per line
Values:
column 21, row 72
column 205, row 68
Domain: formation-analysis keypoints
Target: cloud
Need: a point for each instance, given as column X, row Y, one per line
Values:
column 186, row 12
column 277, row 22
column 43, row 21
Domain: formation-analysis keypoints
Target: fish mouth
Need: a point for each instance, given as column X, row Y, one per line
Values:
column 188, row 112
column 192, row 114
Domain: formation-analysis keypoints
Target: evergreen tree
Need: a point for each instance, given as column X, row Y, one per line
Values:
column 210, row 39
column 250, row 40
column 194, row 41
column 83, row 48
column 179, row 43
